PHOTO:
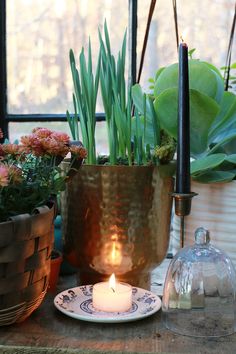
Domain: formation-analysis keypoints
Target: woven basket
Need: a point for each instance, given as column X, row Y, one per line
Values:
column 25, row 246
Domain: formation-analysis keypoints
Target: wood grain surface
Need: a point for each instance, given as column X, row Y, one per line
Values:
column 49, row 331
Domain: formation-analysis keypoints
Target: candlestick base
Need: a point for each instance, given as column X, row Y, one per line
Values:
column 183, row 203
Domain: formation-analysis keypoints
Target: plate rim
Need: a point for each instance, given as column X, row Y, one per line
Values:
column 103, row 319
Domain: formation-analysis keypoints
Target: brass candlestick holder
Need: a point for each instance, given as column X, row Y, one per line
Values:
column 183, row 208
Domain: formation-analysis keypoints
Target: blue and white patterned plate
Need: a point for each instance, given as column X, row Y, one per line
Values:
column 77, row 303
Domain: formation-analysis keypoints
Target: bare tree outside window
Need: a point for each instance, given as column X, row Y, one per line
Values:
column 204, row 24
column 41, row 32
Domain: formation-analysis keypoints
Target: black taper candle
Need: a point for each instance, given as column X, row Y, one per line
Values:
column 183, row 143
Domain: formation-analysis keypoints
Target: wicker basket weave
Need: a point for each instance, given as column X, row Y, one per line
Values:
column 25, row 247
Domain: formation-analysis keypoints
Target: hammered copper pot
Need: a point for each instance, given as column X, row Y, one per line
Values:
column 116, row 219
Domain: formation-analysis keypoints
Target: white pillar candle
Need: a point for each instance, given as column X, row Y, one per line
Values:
column 112, row 297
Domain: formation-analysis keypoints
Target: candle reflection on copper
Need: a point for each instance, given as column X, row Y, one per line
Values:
column 114, row 257
column 116, row 254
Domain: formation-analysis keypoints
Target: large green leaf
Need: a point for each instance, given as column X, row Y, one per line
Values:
column 203, row 111
column 231, row 158
column 226, row 119
column 212, row 67
column 168, row 78
column 227, row 142
column 230, row 146
column 215, row 177
column 206, row 163
column 201, row 77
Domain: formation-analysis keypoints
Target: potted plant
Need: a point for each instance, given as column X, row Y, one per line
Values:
column 121, row 224
column 212, row 147
column 30, row 177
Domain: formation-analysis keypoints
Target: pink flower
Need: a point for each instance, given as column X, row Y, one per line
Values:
column 54, row 147
column 26, row 141
column 11, row 149
column 33, row 165
column 78, row 151
column 42, row 132
column 3, row 176
column 61, row 137
column 15, row 174
column 45, row 142
column 32, row 144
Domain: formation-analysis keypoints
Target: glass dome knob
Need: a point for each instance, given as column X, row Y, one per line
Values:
column 202, row 236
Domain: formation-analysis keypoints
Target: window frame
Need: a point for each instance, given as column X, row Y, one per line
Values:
column 6, row 118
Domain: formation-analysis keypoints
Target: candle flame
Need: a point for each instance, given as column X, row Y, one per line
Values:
column 112, row 282
column 184, row 35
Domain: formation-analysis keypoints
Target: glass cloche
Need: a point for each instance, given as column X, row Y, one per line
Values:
column 200, row 291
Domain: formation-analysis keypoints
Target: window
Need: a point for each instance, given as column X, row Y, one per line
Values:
column 34, row 62
column 38, row 44
column 203, row 24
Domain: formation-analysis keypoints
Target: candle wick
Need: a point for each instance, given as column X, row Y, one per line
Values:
column 113, row 290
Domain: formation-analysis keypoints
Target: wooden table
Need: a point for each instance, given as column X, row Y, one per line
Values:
column 49, row 331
